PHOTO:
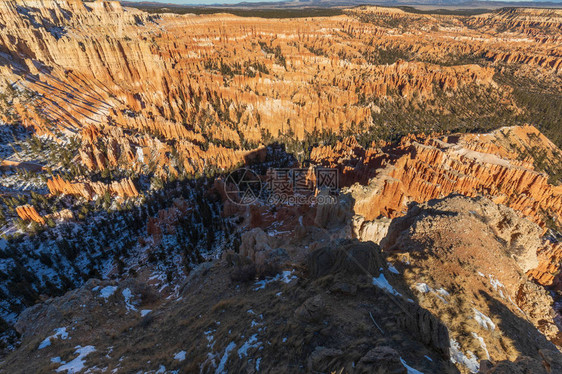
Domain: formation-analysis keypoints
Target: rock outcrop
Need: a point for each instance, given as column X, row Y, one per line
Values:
column 476, row 258
column 420, row 169
column 88, row 189
column 29, row 213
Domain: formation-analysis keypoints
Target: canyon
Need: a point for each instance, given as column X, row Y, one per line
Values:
column 123, row 137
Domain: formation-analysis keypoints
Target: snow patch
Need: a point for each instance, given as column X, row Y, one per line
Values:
column 224, row 359
column 482, row 344
column 77, row 365
column 392, row 269
column 410, row 369
column 497, row 285
column 285, row 277
column 422, row 287
column 258, row 364
column 381, row 282
column 60, row 333
column 107, row 291
column 128, row 295
column 483, row 320
column 180, row 356
column 458, row 357
column 252, row 342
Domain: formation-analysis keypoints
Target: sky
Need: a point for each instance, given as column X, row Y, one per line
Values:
column 199, row 2
column 209, row 2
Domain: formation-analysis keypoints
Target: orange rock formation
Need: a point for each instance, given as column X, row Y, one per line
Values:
column 420, row 168
column 230, row 80
column 87, row 189
column 29, row 213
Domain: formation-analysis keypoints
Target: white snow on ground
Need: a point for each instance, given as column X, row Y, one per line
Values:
column 140, row 154
column 158, row 275
column 224, row 359
column 285, row 277
column 422, row 287
column 77, row 365
column 107, row 291
column 211, row 356
column 392, row 269
column 210, row 339
column 457, row 357
column 258, row 364
column 381, row 282
column 410, row 369
column 252, row 342
column 59, row 333
column 110, row 349
column 482, row 344
column 180, row 356
column 128, row 295
column 516, row 306
column 497, row 285
column 144, row 312
column 276, row 232
column 483, row 320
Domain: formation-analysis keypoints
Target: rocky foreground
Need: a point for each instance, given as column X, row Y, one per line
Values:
column 428, row 301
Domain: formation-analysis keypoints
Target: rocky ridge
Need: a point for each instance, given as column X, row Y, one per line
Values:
column 384, row 181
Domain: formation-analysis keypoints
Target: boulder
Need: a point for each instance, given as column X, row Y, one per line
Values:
column 348, row 257
column 312, row 310
column 333, row 210
column 252, row 242
column 321, row 359
column 381, row 360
